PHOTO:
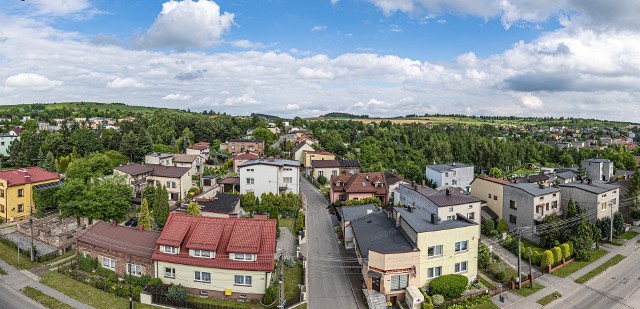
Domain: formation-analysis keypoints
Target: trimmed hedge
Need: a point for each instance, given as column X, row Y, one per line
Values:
column 547, row 259
column 566, row 251
column 449, row 286
column 557, row 254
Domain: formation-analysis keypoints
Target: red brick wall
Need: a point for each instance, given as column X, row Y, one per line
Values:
column 121, row 258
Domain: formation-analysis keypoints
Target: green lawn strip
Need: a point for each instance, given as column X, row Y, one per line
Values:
column 486, row 283
column 488, row 304
column 577, row 265
column 629, row 235
column 10, row 255
column 44, row 299
column 288, row 223
column 292, row 277
column 526, row 291
column 223, row 302
column 617, row 243
column 549, row 298
column 612, row 261
column 87, row 294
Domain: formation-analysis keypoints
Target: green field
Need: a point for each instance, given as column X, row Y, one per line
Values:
column 526, row 291
column 629, row 235
column 78, row 107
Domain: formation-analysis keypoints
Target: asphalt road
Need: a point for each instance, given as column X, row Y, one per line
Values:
column 12, row 299
column 328, row 284
column 617, row 287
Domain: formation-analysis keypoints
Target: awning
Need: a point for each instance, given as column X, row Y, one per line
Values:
column 50, row 185
column 374, row 274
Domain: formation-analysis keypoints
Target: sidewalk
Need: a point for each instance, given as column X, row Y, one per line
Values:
column 565, row 286
column 508, row 257
column 18, row 279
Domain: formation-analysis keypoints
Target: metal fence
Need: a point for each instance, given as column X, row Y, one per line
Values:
column 162, row 300
column 24, row 249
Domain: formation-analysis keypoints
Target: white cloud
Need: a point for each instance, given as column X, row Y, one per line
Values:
column 30, row 81
column 59, row 7
column 314, row 73
column 531, row 101
column 177, row 96
column 124, row 83
column 317, row 28
column 183, row 24
column 246, row 44
column 293, row 107
column 243, row 100
column 395, row 28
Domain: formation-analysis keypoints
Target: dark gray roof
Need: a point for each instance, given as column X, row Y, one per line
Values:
column 537, row 177
column 596, row 160
column 350, row 213
column 566, row 175
column 624, row 173
column 349, row 163
column 246, row 141
column 392, row 178
column 135, row 169
column 274, row 162
column 420, row 221
column 168, row 171
column 533, row 188
column 222, row 203
column 161, row 155
column 8, row 135
column 594, row 187
column 441, row 199
column 446, row 167
column 378, row 233
column 299, row 146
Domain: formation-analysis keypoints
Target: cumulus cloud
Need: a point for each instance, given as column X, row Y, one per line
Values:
column 190, row 75
column 183, row 24
column 59, row 7
column 246, row 44
column 317, row 28
column 30, row 81
column 124, row 83
column 177, row 96
column 531, row 101
column 293, row 107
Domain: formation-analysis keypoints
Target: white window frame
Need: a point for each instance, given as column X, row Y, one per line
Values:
column 171, row 250
column 202, row 253
column 250, row 181
column 459, row 248
column 471, row 215
column 433, row 272
column 287, row 179
column 434, row 248
column 171, row 273
column 137, row 269
column 243, row 257
column 201, row 274
column 243, row 281
column 458, row 268
column 110, row 263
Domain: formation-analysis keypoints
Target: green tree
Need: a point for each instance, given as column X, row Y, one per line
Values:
column 566, row 251
column 249, row 202
column 176, row 293
column 144, row 218
column 583, row 240
column 618, row 222
column 547, row 259
column 322, row 180
column 100, row 198
column 566, row 159
column 502, row 226
column 193, row 209
column 299, row 224
column 557, row 254
column 49, row 162
column 597, row 235
column 161, row 206
column 487, row 227
column 572, row 209
column 85, row 141
column 552, row 234
column 496, row 173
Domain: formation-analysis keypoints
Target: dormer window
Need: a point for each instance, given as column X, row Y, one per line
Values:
column 170, row 250
column 243, row 257
column 364, row 183
column 202, row 253
column 339, row 184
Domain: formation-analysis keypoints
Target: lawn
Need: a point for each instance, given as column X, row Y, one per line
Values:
column 577, row 265
column 10, row 255
column 2, row 272
column 223, row 302
column 486, row 305
column 526, row 291
column 486, row 283
column 293, row 277
column 629, row 235
column 87, row 294
column 617, row 243
column 549, row 298
column 44, row 299
column 612, row 261
column 288, row 223
column 523, row 171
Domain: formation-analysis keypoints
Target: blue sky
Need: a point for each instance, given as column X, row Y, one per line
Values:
column 378, row 57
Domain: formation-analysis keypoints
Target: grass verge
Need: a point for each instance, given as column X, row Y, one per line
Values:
column 292, row 277
column 44, row 299
column 486, row 305
column 486, row 283
column 549, row 298
column 526, row 291
column 87, row 294
column 223, row 303
column 10, row 255
column 616, row 243
column 629, row 235
column 612, row 261
column 288, row 223
column 577, row 265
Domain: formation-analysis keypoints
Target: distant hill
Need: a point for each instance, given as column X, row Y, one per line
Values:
column 82, row 109
column 342, row 115
column 265, row 116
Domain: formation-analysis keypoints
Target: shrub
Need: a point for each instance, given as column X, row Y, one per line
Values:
column 449, row 286
column 494, row 234
column 427, row 303
column 502, row 226
column 547, row 259
column 488, row 226
column 557, row 255
column 438, row 299
column 322, row 180
column 483, row 255
column 87, row 264
column 535, row 258
column 107, row 274
column 271, row 294
column 570, row 247
column 566, row 251
column 155, row 282
column 177, row 293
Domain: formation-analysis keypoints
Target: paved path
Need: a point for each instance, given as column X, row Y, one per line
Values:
column 12, row 299
column 286, row 242
column 329, row 287
column 508, row 257
column 18, row 279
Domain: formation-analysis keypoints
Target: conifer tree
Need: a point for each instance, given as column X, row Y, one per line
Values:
column 144, row 219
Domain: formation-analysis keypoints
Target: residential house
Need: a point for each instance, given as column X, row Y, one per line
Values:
column 490, row 190
column 16, row 191
column 243, row 157
column 598, row 199
column 311, row 155
column 446, row 204
column 177, row 180
column 5, row 141
column 217, row 257
column 230, row 184
column 236, row 146
column 192, row 161
column 297, row 151
column 535, row 178
column 393, row 182
column 526, row 205
column 456, row 174
column 269, row 176
column 411, row 248
column 222, row 205
column 16, row 131
column 165, row 159
column 623, row 174
column 350, row 213
column 566, row 176
column 328, row 168
column 358, row 186
column 119, row 248
column 306, row 139
column 201, row 148
column 598, row 169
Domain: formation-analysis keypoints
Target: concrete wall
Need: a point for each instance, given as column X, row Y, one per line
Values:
column 490, row 192
column 598, row 171
column 298, row 155
column 592, row 202
column 183, row 184
column 395, row 264
column 326, row 171
column 5, row 142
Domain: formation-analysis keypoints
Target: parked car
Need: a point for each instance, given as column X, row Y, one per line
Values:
column 133, row 222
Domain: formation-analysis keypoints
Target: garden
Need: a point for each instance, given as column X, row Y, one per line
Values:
column 454, row 292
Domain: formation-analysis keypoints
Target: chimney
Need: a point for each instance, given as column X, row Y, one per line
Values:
column 434, row 219
column 271, row 159
column 410, row 208
column 424, row 183
column 541, row 185
column 114, row 223
column 141, row 227
column 447, row 191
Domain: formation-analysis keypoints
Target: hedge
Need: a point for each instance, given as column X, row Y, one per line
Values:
column 566, row 251
column 449, row 286
column 557, row 254
column 547, row 259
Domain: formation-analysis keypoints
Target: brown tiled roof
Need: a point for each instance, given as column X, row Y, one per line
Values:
column 325, row 163
column 135, row 169
column 120, row 238
column 184, row 158
column 492, row 179
column 230, row 181
column 360, row 183
column 393, row 178
column 200, row 146
column 222, row 235
column 246, row 156
column 18, row 176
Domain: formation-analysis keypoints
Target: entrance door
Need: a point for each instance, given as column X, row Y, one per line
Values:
column 375, row 284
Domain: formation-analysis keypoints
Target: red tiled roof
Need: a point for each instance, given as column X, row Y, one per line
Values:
column 121, row 238
column 200, row 146
column 18, row 176
column 246, row 156
column 222, row 235
column 360, row 183
column 300, row 139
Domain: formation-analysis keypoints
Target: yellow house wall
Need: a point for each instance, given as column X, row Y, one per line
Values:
column 395, row 262
column 481, row 189
column 11, row 200
column 221, row 279
column 308, row 157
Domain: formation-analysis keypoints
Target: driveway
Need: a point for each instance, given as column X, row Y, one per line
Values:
column 329, row 287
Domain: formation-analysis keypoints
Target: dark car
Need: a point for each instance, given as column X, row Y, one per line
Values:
column 133, row 222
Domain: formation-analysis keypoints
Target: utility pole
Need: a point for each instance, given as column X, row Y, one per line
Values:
column 281, row 294
column 611, row 230
column 31, row 228
column 530, row 271
column 130, row 286
column 519, row 234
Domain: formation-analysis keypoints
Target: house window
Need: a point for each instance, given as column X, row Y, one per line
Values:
column 513, row 219
column 546, row 206
column 334, row 173
column 243, row 257
column 173, row 184
column 242, row 280
column 434, row 251
column 449, row 218
column 1, row 193
column 250, row 170
column 495, row 197
column 461, row 267
column 462, row 246
column 446, row 174
column 20, row 207
column 542, row 198
column 287, row 179
column 320, row 173
column 489, row 195
column 168, row 184
column 134, row 269
column 20, row 192
column 287, row 169
column 352, row 171
column 434, row 272
column 614, row 193
column 454, row 182
column 539, row 209
column 450, row 209
column 202, row 276
column 2, row 208
column 233, row 146
column 554, row 195
column 342, row 197
column 399, row 282
column 471, row 216
column 169, row 272
column 169, row 249
column 202, row 253
column 513, row 204
column 604, row 206
column 249, row 181
column 109, row 263
column 554, row 204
